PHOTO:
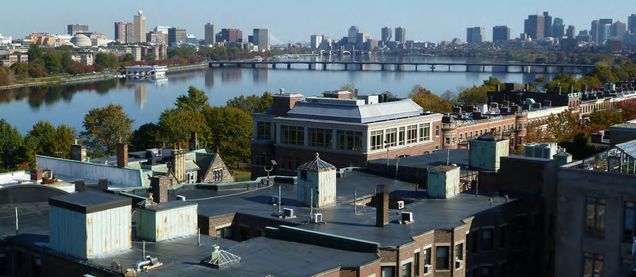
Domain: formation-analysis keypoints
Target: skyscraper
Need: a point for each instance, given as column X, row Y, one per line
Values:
column 209, row 34
column 619, row 29
column 352, row 34
column 387, row 34
column 123, row 32
column 475, row 35
column 631, row 23
column 547, row 25
column 73, row 29
column 604, row 33
column 400, row 35
column 599, row 30
column 571, row 32
column 315, row 41
column 176, row 36
column 140, row 28
column 261, row 39
column 500, row 33
column 558, row 28
column 232, row 35
column 534, row 26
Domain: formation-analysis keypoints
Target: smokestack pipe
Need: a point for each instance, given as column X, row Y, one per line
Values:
column 382, row 206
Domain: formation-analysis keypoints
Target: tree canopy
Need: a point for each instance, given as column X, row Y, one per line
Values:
column 429, row 101
column 105, row 127
column 195, row 101
column 252, row 103
column 231, row 131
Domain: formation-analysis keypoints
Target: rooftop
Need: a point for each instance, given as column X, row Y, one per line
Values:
column 89, row 202
column 365, row 113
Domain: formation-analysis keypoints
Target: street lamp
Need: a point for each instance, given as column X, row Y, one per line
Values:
column 387, row 145
column 274, row 163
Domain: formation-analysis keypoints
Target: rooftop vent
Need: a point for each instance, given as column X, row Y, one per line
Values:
column 407, row 217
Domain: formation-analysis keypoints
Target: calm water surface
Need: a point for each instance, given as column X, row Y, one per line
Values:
column 144, row 101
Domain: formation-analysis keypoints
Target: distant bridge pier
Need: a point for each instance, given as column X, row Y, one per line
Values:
column 382, row 67
column 253, row 65
column 274, row 66
column 324, row 66
column 346, row 67
column 288, row 65
column 449, row 68
column 433, row 68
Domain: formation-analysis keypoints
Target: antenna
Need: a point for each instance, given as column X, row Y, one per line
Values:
column 16, row 221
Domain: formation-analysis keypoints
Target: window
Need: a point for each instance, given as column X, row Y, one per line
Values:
column 459, row 255
column 416, row 263
column 376, row 140
column 387, row 271
column 427, row 260
column 486, row 239
column 447, row 140
column 391, row 137
column 629, row 229
column 592, row 265
column 425, row 132
column 401, row 137
column 595, row 216
column 437, row 131
column 441, row 258
column 217, row 175
column 411, row 134
column 293, row 135
column 349, row 140
column 263, row 130
column 319, row 137
column 405, row 270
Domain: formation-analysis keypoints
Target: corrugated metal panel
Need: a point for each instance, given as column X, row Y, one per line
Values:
column 176, row 222
column 326, row 188
column 108, row 231
column 67, row 232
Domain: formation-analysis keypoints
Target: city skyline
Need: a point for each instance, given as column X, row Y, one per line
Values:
column 333, row 22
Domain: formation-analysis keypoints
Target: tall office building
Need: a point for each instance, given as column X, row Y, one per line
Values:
column 599, row 30
column 475, row 35
column 547, row 25
column 534, row 26
column 500, row 33
column 176, row 36
column 400, row 35
column 352, row 34
column 387, row 34
column 631, row 23
column 232, row 35
column 124, row 32
column 604, row 33
column 130, row 32
column 619, row 29
column 315, row 41
column 140, row 28
column 571, row 32
column 558, row 28
column 73, row 29
column 261, row 39
column 209, row 34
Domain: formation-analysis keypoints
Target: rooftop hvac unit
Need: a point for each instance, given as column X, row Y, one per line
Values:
column 400, row 204
column 407, row 217
column 181, row 198
column 288, row 213
column 317, row 218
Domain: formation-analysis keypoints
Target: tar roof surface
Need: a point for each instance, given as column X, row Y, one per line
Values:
column 89, row 201
column 429, row 214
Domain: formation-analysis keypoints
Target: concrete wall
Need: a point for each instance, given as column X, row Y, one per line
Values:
column 117, row 177
column 571, row 240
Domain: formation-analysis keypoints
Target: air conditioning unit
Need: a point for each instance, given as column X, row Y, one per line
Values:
column 400, row 204
column 317, row 218
column 407, row 217
column 181, row 198
column 288, row 213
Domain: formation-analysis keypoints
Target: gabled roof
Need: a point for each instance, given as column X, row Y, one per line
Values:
column 317, row 165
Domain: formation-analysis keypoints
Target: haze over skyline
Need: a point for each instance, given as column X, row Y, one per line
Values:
column 290, row 21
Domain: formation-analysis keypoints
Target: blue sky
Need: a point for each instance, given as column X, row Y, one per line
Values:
column 295, row 20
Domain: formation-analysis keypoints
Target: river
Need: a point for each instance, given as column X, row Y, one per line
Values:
column 144, row 101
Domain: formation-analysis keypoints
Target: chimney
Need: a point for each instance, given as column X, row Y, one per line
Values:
column 283, row 103
column 159, row 188
column 178, row 165
column 78, row 152
column 381, row 206
column 36, row 175
column 527, row 87
column 122, row 155
column 194, row 141
column 80, row 186
column 102, row 184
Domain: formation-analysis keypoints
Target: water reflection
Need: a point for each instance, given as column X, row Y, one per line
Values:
column 49, row 95
column 209, row 79
column 260, row 75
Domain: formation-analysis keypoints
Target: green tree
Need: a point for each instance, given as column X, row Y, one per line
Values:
column 145, row 137
column 67, row 61
column 20, row 71
column 563, row 81
column 429, row 101
column 35, row 54
column 563, row 126
column 231, row 131
column 252, row 103
column 606, row 118
column 176, row 125
column 6, row 76
column 48, row 140
column 195, row 101
column 12, row 149
column 53, row 62
column 106, row 60
column 128, row 58
column 105, row 127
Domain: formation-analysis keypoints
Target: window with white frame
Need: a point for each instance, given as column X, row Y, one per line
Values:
column 411, row 134
column 293, row 135
column 376, row 140
column 425, row 132
column 391, row 137
column 320, row 137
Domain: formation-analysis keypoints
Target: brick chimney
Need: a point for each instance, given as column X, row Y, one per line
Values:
column 78, row 152
column 122, row 155
column 36, row 175
column 159, row 188
column 381, row 206
column 283, row 103
column 178, row 165
column 194, row 141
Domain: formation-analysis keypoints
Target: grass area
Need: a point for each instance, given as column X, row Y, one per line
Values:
column 242, row 175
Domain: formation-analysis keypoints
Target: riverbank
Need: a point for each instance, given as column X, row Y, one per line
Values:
column 88, row 78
